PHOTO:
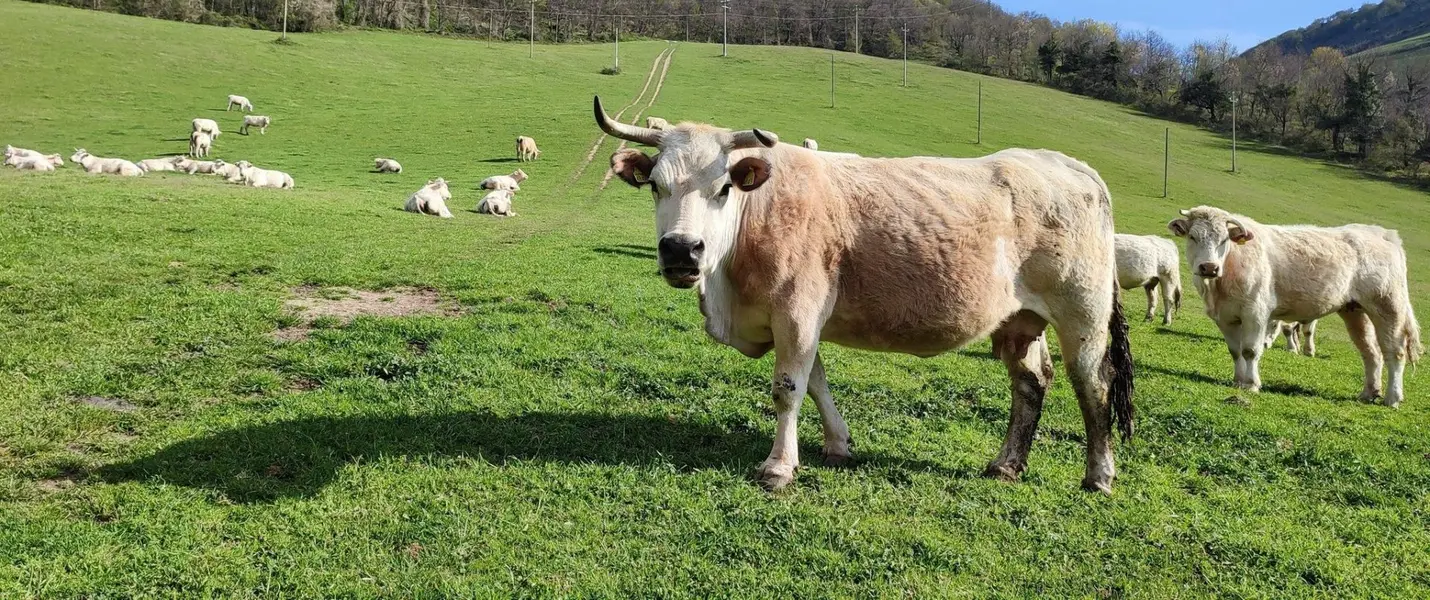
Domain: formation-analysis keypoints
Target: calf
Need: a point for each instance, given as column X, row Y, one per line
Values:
column 1150, row 262
column 526, row 149
column 1251, row 275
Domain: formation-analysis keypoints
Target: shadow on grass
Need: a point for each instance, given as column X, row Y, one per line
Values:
column 297, row 458
column 1200, row 337
column 498, row 160
column 1187, row 375
column 640, row 252
column 182, row 139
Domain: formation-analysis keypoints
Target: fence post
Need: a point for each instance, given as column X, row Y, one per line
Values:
column 831, row 80
column 1166, row 159
column 980, row 111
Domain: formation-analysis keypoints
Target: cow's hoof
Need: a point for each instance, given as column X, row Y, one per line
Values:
column 1248, row 387
column 1392, row 403
column 1102, row 486
column 1166, row 322
column 775, row 477
column 1369, row 395
column 1002, row 472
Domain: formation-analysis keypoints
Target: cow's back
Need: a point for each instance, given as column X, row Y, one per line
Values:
column 1318, row 270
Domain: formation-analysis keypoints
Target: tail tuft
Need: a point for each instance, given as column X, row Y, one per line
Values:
column 1413, row 349
column 1118, row 361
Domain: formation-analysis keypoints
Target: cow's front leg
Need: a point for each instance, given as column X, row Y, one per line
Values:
column 1253, row 331
column 836, row 432
column 1232, row 335
column 796, row 352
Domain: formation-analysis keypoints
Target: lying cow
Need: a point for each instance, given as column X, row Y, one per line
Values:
column 497, row 203
column 1150, row 262
column 511, row 183
column 1251, row 275
column 789, row 248
column 431, row 199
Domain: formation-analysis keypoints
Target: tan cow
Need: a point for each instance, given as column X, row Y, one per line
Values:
column 1251, row 275
column 1151, row 262
column 921, row 256
column 526, row 149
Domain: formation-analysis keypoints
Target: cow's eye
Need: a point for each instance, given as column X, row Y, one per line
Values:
column 725, row 191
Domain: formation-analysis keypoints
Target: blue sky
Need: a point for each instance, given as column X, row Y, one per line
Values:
column 1246, row 22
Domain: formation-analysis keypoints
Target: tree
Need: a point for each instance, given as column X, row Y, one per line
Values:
column 1206, row 93
column 1048, row 55
column 1110, row 69
column 1278, row 100
column 1363, row 117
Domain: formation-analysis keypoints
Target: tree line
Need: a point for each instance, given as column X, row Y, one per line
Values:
column 1323, row 103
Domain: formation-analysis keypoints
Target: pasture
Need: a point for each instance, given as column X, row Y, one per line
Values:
column 560, row 425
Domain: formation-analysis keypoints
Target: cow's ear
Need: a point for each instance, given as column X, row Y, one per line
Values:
column 750, row 173
column 1238, row 233
column 1178, row 227
column 633, row 166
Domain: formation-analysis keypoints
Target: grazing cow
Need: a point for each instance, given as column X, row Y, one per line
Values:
column 657, row 123
column 921, row 256
column 1150, row 262
column 526, row 149
column 208, row 126
column 386, row 165
column 239, row 101
column 259, row 121
column 510, row 183
column 431, row 199
column 1251, row 275
column 199, row 144
column 497, row 202
column 811, row 144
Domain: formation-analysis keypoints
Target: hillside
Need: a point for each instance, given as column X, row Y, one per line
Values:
column 1360, row 30
column 1408, row 52
column 565, row 428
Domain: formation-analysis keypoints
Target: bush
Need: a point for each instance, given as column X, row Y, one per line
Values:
column 611, row 71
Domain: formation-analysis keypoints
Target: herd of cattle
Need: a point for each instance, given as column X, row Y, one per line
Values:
column 791, row 246
column 430, row 199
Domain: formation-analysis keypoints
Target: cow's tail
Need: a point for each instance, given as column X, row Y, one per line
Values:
column 1118, row 362
column 1413, row 349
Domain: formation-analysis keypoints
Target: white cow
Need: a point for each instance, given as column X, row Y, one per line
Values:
column 790, row 248
column 200, row 143
column 1251, row 275
column 115, row 166
column 259, row 121
column 150, row 165
column 811, row 144
column 240, row 101
column 386, row 165
column 431, row 199
column 30, row 163
column 256, row 177
column 1300, row 336
column 657, row 123
column 230, row 173
column 526, row 149
column 497, row 202
column 208, row 126
column 504, row 182
column 1150, row 262
column 191, row 166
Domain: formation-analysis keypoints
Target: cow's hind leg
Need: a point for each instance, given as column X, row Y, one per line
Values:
column 1151, row 289
column 1308, row 338
column 836, row 432
column 1362, row 334
column 1390, row 334
column 1023, row 348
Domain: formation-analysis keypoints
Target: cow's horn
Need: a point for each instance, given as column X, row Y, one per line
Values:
column 754, row 138
column 1185, row 212
column 639, row 135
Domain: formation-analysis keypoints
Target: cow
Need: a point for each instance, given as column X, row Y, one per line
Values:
column 526, row 149
column 1300, row 337
column 1151, row 262
column 811, row 144
column 789, row 247
column 657, row 123
column 1251, row 275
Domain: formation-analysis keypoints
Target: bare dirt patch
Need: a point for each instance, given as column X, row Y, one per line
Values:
column 114, row 404
column 344, row 304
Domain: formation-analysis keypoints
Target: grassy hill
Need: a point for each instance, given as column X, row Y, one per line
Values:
column 1414, row 51
column 567, row 429
column 1364, row 29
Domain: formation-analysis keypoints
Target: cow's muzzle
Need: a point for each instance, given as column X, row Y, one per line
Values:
column 1208, row 270
column 680, row 259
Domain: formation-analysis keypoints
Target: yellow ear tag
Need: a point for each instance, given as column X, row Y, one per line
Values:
column 640, row 177
column 750, row 179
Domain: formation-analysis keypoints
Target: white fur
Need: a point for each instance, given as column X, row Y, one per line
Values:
column 242, row 103
column 386, row 165
column 497, row 202
column 115, row 166
column 431, row 199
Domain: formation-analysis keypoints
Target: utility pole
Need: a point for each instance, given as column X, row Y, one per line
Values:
column 725, row 37
column 491, row 27
column 856, row 31
column 831, row 80
column 1166, row 159
column 533, row 28
column 618, row 43
column 285, row 20
column 1233, row 132
column 687, row 28
column 980, row 111
column 906, row 55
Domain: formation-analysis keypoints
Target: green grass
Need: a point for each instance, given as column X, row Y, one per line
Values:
column 573, row 432
column 1404, row 54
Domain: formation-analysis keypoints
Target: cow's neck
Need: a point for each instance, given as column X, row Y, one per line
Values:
column 717, row 303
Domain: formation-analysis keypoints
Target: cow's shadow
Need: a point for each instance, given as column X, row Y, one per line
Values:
column 297, row 458
column 499, row 160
